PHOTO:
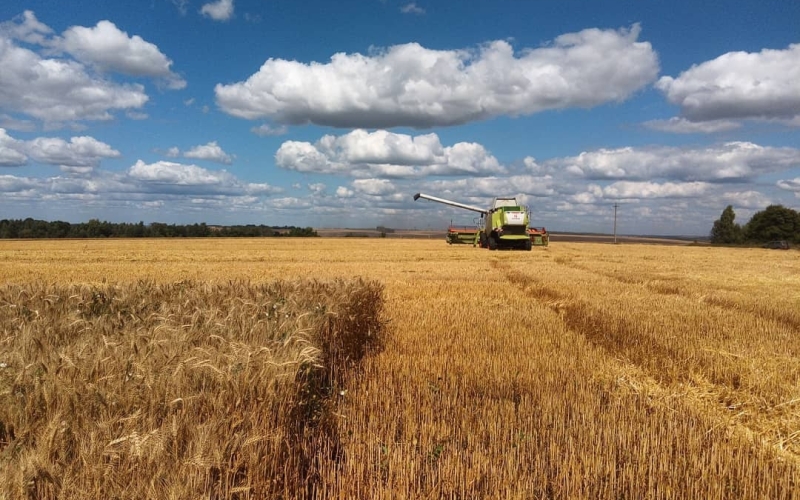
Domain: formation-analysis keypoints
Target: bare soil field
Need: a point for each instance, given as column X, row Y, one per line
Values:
column 580, row 370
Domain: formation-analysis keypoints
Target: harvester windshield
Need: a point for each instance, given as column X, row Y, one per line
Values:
column 505, row 202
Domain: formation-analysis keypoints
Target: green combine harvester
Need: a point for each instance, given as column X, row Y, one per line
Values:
column 505, row 226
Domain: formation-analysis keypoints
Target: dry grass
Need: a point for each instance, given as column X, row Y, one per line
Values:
column 576, row 371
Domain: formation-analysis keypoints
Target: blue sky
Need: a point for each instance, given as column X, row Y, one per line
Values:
column 333, row 114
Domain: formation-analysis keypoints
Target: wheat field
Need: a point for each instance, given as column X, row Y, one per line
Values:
column 574, row 371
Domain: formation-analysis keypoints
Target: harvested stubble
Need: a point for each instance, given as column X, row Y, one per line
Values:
column 182, row 390
column 576, row 371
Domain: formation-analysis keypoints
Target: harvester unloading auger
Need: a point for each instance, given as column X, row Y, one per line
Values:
column 505, row 225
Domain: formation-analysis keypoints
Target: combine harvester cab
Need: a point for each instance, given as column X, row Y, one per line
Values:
column 505, row 224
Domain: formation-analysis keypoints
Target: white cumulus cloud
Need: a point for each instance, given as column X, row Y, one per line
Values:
column 56, row 90
column 110, row 49
column 410, row 85
column 627, row 189
column 10, row 154
column 165, row 172
column 749, row 199
column 81, row 151
column 81, row 154
column 221, row 10
column 374, row 187
column 211, row 151
column 26, row 28
column 729, row 161
column 483, row 189
column 386, row 154
column 64, row 79
column 171, row 177
column 739, row 85
column 343, row 192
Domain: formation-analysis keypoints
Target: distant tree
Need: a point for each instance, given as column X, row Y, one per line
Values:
column 95, row 228
column 775, row 222
column 725, row 230
column 302, row 232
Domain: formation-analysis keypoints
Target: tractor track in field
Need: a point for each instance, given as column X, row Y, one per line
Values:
column 578, row 316
column 673, row 287
column 646, row 358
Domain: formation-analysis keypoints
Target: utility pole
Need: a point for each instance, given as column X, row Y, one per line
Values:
column 615, row 223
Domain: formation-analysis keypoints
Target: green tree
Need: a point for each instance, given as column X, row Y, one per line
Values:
column 775, row 222
column 725, row 230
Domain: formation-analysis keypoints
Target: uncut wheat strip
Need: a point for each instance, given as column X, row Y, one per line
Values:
column 175, row 323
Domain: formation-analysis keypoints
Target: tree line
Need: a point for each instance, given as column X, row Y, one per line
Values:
column 32, row 228
column 775, row 222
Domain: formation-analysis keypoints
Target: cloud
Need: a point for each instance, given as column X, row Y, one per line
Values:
column 677, row 125
column 12, row 184
column 412, row 8
column 10, row 155
column 173, row 177
column 317, row 188
column 109, row 49
column 83, row 153
column 267, row 130
column 211, row 152
column 343, row 192
column 164, row 172
column 732, row 161
column 54, row 90
column 381, row 153
column 26, row 28
column 648, row 190
column 738, row 85
column 136, row 115
column 410, row 85
column 181, row 5
column 374, row 187
column 790, row 185
column 173, row 152
column 64, row 79
column 11, row 123
column 482, row 189
column 221, row 10
column 643, row 190
column 745, row 199
column 172, row 187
